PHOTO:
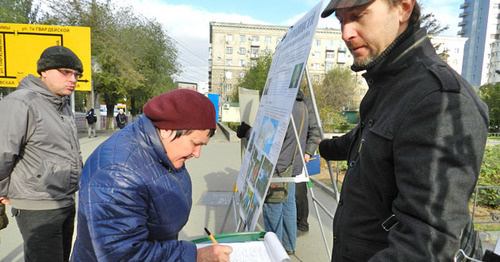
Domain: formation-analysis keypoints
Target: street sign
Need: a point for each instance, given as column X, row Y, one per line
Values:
column 22, row 44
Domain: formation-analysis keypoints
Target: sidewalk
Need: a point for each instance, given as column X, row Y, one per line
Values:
column 213, row 176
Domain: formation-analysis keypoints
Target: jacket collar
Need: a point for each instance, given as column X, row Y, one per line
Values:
column 35, row 84
column 394, row 48
column 145, row 128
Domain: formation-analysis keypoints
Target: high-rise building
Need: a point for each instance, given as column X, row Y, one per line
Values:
column 480, row 24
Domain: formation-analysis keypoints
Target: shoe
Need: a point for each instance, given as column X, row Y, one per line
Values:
column 290, row 252
column 301, row 232
column 89, row 136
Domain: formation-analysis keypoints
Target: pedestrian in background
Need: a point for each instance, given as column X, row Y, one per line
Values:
column 121, row 119
column 414, row 158
column 281, row 218
column 91, row 120
column 135, row 191
column 40, row 159
column 313, row 135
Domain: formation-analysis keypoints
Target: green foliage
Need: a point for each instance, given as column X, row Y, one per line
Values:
column 337, row 91
column 490, row 94
column 132, row 55
column 255, row 76
column 18, row 11
column 490, row 176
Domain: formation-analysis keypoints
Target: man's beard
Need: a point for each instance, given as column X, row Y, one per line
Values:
column 367, row 60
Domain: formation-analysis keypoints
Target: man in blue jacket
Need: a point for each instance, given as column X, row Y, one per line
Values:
column 135, row 192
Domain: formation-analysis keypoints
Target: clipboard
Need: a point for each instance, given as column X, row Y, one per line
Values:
column 259, row 246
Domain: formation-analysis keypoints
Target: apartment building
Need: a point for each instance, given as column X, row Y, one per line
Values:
column 233, row 47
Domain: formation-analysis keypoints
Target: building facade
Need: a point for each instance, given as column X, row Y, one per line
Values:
column 480, row 24
column 233, row 48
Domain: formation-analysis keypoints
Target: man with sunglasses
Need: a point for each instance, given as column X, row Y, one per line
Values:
column 40, row 159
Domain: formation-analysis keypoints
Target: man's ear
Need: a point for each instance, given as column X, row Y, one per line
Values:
column 405, row 10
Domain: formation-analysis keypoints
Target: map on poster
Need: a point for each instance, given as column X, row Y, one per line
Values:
column 273, row 116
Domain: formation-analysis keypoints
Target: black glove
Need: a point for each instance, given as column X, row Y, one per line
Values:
column 242, row 130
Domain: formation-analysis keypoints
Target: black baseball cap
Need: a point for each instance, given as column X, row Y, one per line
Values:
column 337, row 4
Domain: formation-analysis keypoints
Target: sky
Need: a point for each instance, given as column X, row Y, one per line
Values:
column 187, row 22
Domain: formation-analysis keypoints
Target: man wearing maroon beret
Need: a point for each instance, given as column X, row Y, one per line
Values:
column 135, row 192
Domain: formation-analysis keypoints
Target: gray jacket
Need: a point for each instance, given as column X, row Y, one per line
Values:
column 40, row 159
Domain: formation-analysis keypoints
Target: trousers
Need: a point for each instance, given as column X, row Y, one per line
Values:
column 281, row 218
column 47, row 234
column 302, row 206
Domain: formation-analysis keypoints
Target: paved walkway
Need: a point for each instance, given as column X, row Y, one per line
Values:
column 213, row 176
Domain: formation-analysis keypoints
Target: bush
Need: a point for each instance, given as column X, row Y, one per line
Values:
column 490, row 176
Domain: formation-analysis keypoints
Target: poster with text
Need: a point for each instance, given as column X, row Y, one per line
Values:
column 273, row 116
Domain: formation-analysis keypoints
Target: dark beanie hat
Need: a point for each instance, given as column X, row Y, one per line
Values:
column 181, row 109
column 58, row 57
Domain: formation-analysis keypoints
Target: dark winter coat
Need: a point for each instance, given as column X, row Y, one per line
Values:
column 413, row 160
column 132, row 201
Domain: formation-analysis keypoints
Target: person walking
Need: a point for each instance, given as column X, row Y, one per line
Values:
column 121, row 119
column 135, row 191
column 414, row 158
column 40, row 159
column 91, row 121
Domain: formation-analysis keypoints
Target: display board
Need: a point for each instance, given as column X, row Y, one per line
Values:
column 273, row 116
column 22, row 44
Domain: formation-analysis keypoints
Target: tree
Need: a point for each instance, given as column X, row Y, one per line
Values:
column 255, row 76
column 337, row 91
column 490, row 93
column 136, row 59
column 18, row 11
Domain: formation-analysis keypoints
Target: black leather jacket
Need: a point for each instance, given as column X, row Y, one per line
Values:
column 413, row 160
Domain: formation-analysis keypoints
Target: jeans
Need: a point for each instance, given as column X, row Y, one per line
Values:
column 281, row 218
column 47, row 234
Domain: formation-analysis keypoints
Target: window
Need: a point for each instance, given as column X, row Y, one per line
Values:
column 255, row 38
column 267, row 40
column 242, row 62
column 229, row 50
column 330, row 54
column 316, row 78
column 255, row 52
column 229, row 38
column 318, row 42
column 229, row 62
column 316, row 54
column 315, row 66
column 229, row 75
column 243, row 51
column 328, row 66
column 242, row 74
column 243, row 38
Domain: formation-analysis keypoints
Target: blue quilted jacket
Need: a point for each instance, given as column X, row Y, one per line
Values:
column 132, row 202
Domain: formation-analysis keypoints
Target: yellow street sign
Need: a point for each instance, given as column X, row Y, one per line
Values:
column 22, row 44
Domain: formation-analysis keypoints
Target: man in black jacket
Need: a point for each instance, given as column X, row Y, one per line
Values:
column 414, row 159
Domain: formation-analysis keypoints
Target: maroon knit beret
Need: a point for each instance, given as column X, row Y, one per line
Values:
column 181, row 109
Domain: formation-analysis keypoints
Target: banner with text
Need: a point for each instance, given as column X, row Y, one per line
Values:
column 273, row 116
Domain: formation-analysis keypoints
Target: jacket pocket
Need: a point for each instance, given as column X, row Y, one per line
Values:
column 357, row 249
column 51, row 181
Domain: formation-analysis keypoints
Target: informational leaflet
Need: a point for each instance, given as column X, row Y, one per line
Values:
column 273, row 116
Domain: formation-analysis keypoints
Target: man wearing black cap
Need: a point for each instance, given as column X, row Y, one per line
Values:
column 40, row 159
column 135, row 191
column 414, row 158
